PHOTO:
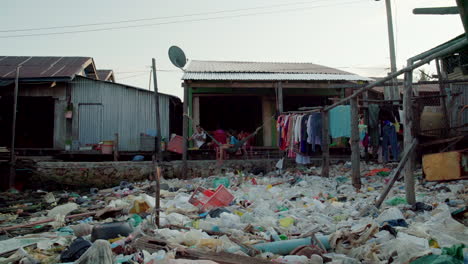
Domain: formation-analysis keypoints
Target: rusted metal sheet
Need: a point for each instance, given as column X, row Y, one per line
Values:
column 42, row 67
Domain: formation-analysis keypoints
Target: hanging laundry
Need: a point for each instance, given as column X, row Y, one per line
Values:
column 314, row 130
column 374, row 131
column 340, row 121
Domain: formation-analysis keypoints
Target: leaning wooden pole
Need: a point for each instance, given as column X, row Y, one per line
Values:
column 443, row 99
column 409, row 149
column 355, row 153
column 426, row 59
column 325, row 145
column 408, row 136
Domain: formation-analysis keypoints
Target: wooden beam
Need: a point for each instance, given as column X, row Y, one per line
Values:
column 450, row 10
column 12, row 177
column 355, row 154
column 428, row 58
column 280, row 97
column 396, row 173
column 325, row 145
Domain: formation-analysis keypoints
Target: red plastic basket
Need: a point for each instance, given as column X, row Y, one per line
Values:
column 221, row 197
column 176, row 144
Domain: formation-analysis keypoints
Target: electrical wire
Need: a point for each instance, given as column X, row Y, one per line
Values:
column 176, row 22
column 158, row 18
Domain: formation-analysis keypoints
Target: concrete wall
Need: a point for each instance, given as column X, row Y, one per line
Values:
column 108, row 174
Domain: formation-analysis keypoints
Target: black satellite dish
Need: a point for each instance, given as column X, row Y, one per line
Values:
column 177, row 56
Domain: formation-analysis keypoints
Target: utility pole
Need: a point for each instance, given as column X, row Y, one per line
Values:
column 157, row 146
column 11, row 182
column 391, row 93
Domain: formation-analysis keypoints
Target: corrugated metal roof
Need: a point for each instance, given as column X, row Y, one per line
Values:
column 272, row 76
column 104, row 75
column 264, row 67
column 239, row 70
column 42, row 67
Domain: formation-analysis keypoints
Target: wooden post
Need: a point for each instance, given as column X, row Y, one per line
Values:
column 185, row 132
column 365, row 96
column 355, row 154
column 158, row 119
column 443, row 99
column 11, row 181
column 408, row 135
column 116, row 147
column 280, row 97
column 325, row 145
column 157, row 207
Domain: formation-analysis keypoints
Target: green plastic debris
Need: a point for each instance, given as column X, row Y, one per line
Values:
column 396, row 201
column 455, row 251
column 437, row 259
column 383, row 173
column 218, row 181
column 341, row 179
column 283, row 237
column 135, row 220
column 73, row 194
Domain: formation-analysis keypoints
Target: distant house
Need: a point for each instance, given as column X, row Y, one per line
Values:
column 66, row 103
column 243, row 95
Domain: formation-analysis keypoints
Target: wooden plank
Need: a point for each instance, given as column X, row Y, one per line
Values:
column 325, row 145
column 396, row 173
column 442, row 166
column 355, row 154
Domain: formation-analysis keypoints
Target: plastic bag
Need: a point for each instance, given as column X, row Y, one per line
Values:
column 100, row 252
column 392, row 213
column 62, row 210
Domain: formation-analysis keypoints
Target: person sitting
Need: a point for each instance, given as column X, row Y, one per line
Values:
column 220, row 137
column 199, row 137
column 232, row 141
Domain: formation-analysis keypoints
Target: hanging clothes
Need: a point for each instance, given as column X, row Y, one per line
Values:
column 390, row 139
column 314, row 130
column 304, row 148
column 374, row 131
column 340, row 121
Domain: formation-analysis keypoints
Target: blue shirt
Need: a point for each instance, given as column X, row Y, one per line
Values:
column 233, row 140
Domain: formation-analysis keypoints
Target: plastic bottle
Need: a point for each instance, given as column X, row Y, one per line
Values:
column 272, row 234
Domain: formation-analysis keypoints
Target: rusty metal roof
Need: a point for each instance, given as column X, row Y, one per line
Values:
column 43, row 67
column 239, row 70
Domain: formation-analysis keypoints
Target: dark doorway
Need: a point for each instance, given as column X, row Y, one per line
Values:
column 240, row 113
column 293, row 103
column 34, row 122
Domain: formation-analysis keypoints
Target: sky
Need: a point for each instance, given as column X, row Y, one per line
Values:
column 350, row 35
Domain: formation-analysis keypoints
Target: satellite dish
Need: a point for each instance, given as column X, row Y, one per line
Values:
column 177, row 56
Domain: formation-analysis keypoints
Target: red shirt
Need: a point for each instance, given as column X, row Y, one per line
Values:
column 220, row 136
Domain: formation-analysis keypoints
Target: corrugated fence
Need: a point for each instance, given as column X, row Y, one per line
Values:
column 108, row 108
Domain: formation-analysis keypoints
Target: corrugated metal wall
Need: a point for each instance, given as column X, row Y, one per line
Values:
column 125, row 110
column 456, row 103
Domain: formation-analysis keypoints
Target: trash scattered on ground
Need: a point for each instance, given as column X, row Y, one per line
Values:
column 287, row 216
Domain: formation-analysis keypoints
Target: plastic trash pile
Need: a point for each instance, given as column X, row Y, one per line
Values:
column 292, row 217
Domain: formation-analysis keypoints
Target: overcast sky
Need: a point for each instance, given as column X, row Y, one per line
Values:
column 347, row 34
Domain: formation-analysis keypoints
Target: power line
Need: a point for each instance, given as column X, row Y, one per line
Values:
column 158, row 18
column 176, row 22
